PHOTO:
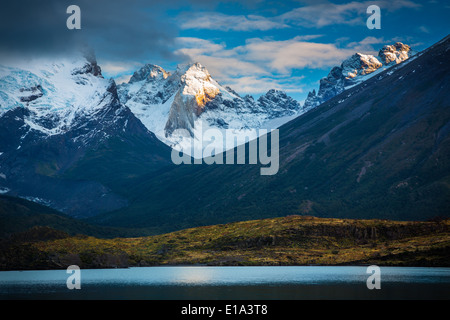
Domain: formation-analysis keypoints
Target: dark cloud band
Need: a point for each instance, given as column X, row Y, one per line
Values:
column 120, row 28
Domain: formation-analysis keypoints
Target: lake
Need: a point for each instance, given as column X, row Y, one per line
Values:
column 229, row 283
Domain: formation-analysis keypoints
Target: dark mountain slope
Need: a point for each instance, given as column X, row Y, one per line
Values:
column 20, row 216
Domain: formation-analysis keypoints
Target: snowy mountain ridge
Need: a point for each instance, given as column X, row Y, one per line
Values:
column 178, row 107
column 356, row 69
column 58, row 96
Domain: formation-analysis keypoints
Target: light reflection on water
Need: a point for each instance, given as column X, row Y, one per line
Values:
column 199, row 275
column 321, row 279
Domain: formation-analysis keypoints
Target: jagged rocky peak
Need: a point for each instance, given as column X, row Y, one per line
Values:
column 193, row 68
column 359, row 67
column 31, row 93
column 197, row 83
column 197, row 89
column 312, row 94
column 230, row 90
column 274, row 98
column 90, row 66
column 397, row 53
column 274, row 95
column 194, row 71
column 149, row 72
column 359, row 64
column 276, row 103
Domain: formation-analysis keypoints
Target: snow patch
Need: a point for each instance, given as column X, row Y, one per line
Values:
column 4, row 190
column 38, row 200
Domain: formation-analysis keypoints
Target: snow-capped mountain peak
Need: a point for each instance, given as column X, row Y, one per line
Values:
column 149, row 72
column 395, row 53
column 197, row 82
column 176, row 106
column 67, row 97
column 60, row 91
column 359, row 64
column 356, row 69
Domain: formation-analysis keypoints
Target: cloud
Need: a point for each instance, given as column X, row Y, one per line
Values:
column 115, row 28
column 263, row 56
column 259, row 85
column 262, row 64
column 118, row 67
column 324, row 14
column 366, row 45
column 234, row 68
column 351, row 13
column 192, row 46
column 283, row 56
column 223, row 22
column 220, row 61
column 312, row 15
column 123, row 78
column 424, row 29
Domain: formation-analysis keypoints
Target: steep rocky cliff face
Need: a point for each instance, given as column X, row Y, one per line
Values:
column 197, row 88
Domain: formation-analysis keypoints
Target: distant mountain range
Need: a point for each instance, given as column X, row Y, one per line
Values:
column 373, row 142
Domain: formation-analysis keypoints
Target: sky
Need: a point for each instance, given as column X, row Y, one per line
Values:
column 251, row 46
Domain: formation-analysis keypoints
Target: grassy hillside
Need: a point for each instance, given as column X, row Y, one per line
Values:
column 292, row 240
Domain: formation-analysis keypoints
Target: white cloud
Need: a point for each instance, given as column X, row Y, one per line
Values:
column 223, row 22
column 262, row 64
column 123, row 78
column 324, row 14
column 264, row 56
column 424, row 29
column 258, row 85
column 115, row 68
column 284, row 56
column 327, row 13
column 316, row 15
column 220, row 61
column 195, row 46
column 369, row 45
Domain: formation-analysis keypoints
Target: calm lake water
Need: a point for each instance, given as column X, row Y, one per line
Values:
column 234, row 283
